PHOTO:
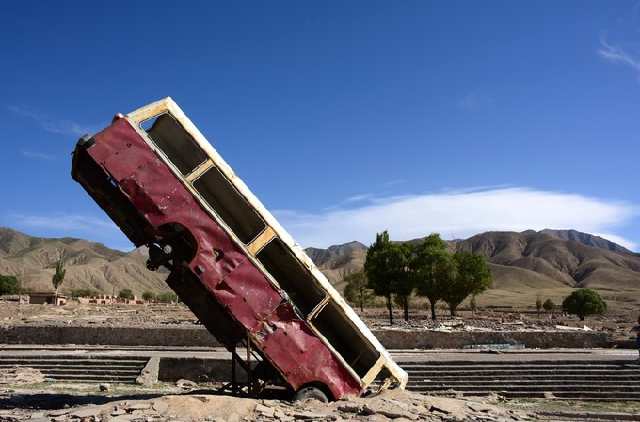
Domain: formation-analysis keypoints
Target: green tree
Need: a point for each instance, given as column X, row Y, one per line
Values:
column 403, row 282
column 386, row 267
column 473, row 305
column 356, row 290
column 84, row 293
column 538, row 305
column 472, row 277
column 548, row 305
column 584, row 302
column 9, row 285
column 125, row 294
column 148, row 296
column 167, row 297
column 432, row 268
column 58, row 275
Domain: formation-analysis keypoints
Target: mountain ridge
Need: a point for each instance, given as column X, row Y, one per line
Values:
column 536, row 259
column 520, row 261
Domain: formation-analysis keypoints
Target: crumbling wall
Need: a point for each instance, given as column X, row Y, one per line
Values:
column 402, row 339
column 200, row 337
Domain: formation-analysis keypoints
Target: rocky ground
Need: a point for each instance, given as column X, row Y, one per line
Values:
column 388, row 405
column 153, row 315
column 24, row 397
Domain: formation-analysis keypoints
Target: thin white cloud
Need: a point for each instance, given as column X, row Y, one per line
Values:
column 359, row 198
column 393, row 182
column 37, row 155
column 616, row 54
column 619, row 240
column 66, row 222
column 61, row 127
column 458, row 214
column 87, row 227
column 475, row 101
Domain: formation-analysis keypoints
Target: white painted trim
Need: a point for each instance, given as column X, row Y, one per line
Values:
column 167, row 104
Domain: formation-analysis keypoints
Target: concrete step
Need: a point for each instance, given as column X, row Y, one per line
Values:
column 93, row 378
column 567, row 379
column 521, row 367
column 524, row 383
column 595, row 397
column 445, row 363
column 547, row 373
column 75, row 371
column 543, row 388
column 46, row 366
column 527, row 377
column 73, row 357
column 80, row 369
column 75, row 362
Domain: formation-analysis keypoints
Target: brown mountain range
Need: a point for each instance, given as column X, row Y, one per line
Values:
column 89, row 265
column 523, row 265
column 548, row 262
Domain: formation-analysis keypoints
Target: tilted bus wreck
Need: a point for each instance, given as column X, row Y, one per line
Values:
column 230, row 261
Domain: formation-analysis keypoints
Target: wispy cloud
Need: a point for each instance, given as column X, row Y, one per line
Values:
column 358, row 198
column 460, row 214
column 65, row 222
column 59, row 126
column 475, row 101
column 393, row 182
column 616, row 54
column 619, row 240
column 37, row 155
column 58, row 224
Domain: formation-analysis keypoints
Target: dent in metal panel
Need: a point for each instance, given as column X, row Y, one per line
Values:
column 167, row 104
column 148, row 189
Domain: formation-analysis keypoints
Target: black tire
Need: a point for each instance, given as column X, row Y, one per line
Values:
column 311, row 393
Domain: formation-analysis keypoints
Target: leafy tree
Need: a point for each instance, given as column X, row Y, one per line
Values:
column 473, row 305
column 125, row 294
column 386, row 267
column 403, row 281
column 167, row 297
column 548, row 305
column 472, row 277
column 583, row 302
column 356, row 290
column 84, row 293
column 432, row 268
column 9, row 285
column 148, row 296
column 58, row 276
column 538, row 305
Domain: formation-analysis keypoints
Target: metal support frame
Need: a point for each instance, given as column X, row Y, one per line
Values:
column 235, row 387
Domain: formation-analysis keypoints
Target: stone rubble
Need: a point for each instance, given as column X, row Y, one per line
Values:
column 20, row 375
column 389, row 405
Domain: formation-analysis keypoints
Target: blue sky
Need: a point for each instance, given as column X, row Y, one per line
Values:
column 344, row 117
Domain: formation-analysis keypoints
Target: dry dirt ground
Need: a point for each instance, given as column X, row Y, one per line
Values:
column 23, row 396
column 617, row 324
column 156, row 405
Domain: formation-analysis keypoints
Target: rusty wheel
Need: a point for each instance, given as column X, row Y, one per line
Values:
column 314, row 393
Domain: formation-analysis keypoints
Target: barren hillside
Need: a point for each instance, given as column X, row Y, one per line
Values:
column 89, row 265
column 549, row 262
column 524, row 265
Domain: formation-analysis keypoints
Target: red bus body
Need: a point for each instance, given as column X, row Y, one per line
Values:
column 245, row 281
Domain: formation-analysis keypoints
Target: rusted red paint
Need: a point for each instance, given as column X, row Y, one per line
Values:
column 159, row 197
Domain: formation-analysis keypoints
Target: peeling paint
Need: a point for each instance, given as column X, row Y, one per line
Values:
column 150, row 194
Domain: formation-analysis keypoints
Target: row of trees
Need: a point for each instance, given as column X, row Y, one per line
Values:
column 547, row 305
column 395, row 271
column 580, row 302
column 165, row 297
